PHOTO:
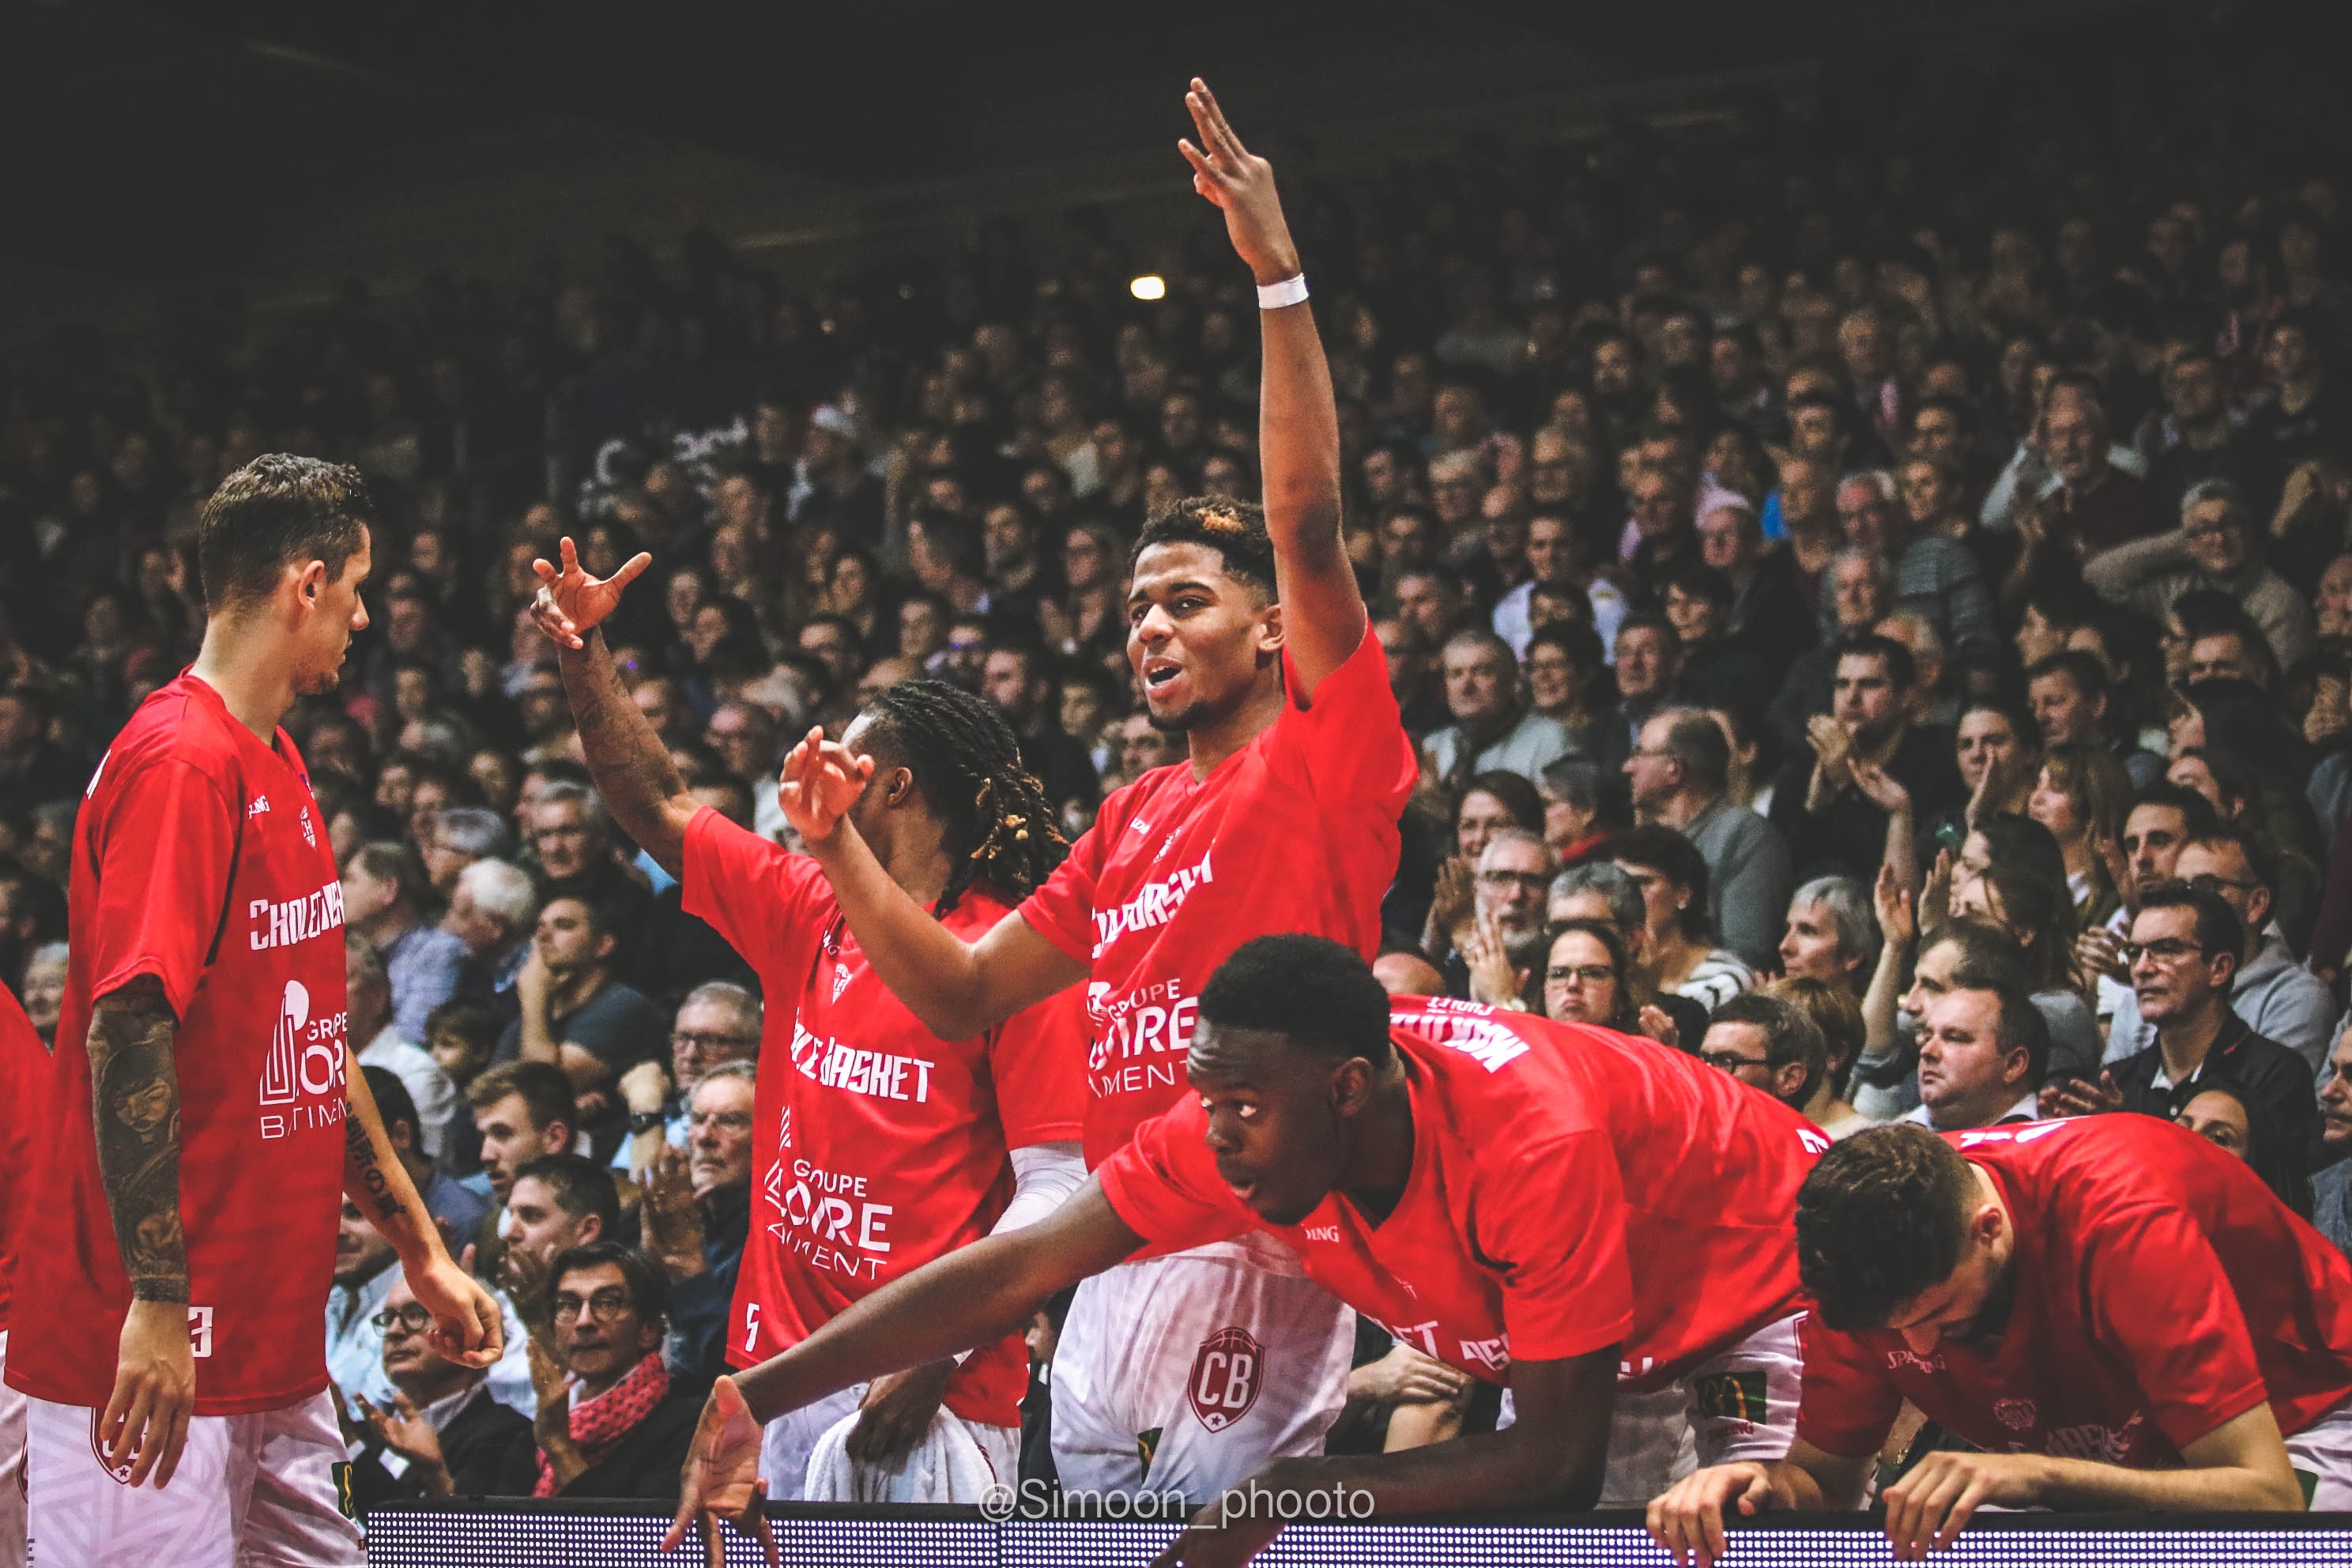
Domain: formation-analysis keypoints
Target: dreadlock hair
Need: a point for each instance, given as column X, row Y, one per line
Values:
column 1236, row 530
column 1000, row 832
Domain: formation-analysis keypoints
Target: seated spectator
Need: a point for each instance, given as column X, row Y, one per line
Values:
column 1770, row 618
column 718, row 1023
column 1492, row 731
column 456, row 1207
column 2071, row 703
column 2331, row 1182
column 1587, row 978
column 1836, row 1013
column 369, row 1008
column 1569, row 683
column 1857, row 590
column 1717, row 670
column 1833, row 935
column 698, row 1216
column 1584, row 807
column 461, row 836
column 1601, row 892
column 2213, row 549
column 1671, row 875
column 554, row 1202
column 1767, row 1044
column 366, row 1268
column 2186, row 945
column 2037, row 926
column 44, row 993
column 522, row 1109
column 1833, row 823
column 573, row 1014
column 1649, row 666
column 608, row 1424
column 492, row 911
column 2083, row 797
column 1016, row 685
column 1680, row 773
column 2276, row 997
column 444, row 1435
column 1507, row 928
column 570, row 836
column 1983, row 1053
column 385, row 895
column 1936, row 576
column 2232, row 1117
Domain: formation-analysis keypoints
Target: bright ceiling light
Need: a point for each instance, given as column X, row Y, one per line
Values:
column 1150, row 286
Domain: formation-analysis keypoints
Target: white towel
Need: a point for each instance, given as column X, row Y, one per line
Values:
column 947, row 1465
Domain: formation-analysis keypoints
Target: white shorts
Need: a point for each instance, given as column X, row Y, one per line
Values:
column 2323, row 1453
column 1741, row 1404
column 264, row 1489
column 1186, row 1374
column 957, row 1460
column 12, row 1467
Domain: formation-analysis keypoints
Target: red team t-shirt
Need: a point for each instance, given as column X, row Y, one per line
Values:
column 1295, row 832
column 2161, row 1291
column 24, row 1090
column 880, row 1146
column 199, row 859
column 1571, row 1189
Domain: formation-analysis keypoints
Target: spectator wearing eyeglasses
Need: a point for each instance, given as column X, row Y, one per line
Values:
column 1504, row 941
column 2185, row 949
column 698, row 1217
column 1585, row 978
column 444, row 1435
column 2277, row 997
column 1767, row 1044
column 719, row 1021
column 609, row 1426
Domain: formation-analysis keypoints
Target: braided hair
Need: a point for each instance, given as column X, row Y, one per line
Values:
column 1000, row 831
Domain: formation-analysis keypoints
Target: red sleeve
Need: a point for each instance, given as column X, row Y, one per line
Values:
column 1063, row 910
column 165, row 852
column 1039, row 1061
column 1163, row 1183
column 1349, row 739
column 2159, row 1299
column 756, row 894
column 1849, row 1404
column 1568, row 1285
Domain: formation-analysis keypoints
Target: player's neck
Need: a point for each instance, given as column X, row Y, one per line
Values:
column 1381, row 1164
column 239, row 661
column 916, row 857
column 1213, row 742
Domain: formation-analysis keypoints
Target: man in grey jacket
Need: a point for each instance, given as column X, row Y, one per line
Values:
column 2277, row 997
column 2213, row 548
column 1679, row 771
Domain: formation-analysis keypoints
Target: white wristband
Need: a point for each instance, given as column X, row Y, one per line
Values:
column 1291, row 290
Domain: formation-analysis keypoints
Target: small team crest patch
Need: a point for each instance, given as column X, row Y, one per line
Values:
column 1732, row 1396
column 1227, row 1373
column 2017, row 1414
column 122, row 1472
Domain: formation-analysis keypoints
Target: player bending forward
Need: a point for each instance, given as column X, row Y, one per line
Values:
column 1547, row 1206
column 1248, row 636
column 2118, row 1314
column 202, row 1071
column 878, row 1145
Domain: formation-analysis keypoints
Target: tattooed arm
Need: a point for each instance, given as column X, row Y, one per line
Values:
column 467, row 1326
column 135, row 1111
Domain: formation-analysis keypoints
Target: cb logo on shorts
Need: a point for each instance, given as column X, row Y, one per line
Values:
column 1226, row 1375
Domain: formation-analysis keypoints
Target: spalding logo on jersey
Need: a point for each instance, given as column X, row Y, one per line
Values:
column 1227, row 1373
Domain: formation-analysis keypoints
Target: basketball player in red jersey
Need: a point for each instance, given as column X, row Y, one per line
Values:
column 23, row 1086
column 1247, row 633
column 2117, row 1313
column 1551, row 1207
column 202, row 1070
column 879, row 1146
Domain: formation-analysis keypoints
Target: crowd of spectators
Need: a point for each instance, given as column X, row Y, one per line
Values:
column 1874, row 603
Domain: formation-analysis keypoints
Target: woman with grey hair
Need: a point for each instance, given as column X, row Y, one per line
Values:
column 1832, row 933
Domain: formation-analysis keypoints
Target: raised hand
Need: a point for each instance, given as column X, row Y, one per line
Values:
column 405, row 1433
column 1894, row 905
column 1493, row 978
column 1659, row 1024
column 673, row 1221
column 821, row 781
column 1882, row 788
column 2080, row 1096
column 570, row 603
column 1242, row 185
column 1833, row 745
column 1935, row 898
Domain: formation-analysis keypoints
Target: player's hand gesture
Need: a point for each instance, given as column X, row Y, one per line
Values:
column 1686, row 1519
column 2079, row 1096
column 145, row 1424
column 1242, row 185
column 570, row 603
column 1925, row 1509
column 721, row 1480
column 822, row 780
column 468, row 1327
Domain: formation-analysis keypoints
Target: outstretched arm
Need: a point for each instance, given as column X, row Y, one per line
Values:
column 635, row 776
column 957, row 989
column 1323, row 616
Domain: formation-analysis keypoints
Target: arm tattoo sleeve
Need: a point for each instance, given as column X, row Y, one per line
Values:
column 364, row 1173
column 135, row 1109
column 632, row 766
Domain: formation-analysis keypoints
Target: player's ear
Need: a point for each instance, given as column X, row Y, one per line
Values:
column 1351, row 1086
column 308, row 580
column 1269, row 631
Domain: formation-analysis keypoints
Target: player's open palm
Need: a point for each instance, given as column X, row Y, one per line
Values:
column 720, row 1482
column 822, row 780
column 1242, row 185
column 570, row 603
column 146, row 1421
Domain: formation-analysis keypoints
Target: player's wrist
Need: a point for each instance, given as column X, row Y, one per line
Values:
column 1276, row 266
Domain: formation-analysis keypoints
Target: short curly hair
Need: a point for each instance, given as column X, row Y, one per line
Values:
column 1236, row 530
column 1879, row 1220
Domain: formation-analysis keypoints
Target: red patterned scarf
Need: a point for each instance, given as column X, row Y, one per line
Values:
column 598, row 1424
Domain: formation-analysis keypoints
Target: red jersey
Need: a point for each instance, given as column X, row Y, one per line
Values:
column 1571, row 1189
column 880, row 1146
column 200, row 860
column 24, row 1088
column 2161, row 1290
column 1295, row 832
